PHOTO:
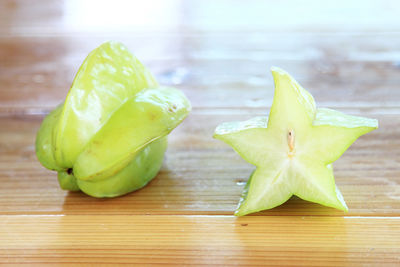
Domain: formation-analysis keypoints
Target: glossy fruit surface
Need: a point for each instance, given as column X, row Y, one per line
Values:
column 109, row 136
column 293, row 148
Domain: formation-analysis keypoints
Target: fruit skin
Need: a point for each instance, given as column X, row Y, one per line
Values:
column 109, row 76
column 151, row 113
column 293, row 148
column 44, row 140
column 110, row 135
column 135, row 175
column 67, row 181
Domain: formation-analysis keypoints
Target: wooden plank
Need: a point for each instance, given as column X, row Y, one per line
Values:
column 200, row 175
column 36, row 73
column 186, row 240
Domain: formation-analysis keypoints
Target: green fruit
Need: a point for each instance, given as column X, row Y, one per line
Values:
column 109, row 136
column 107, row 78
column 44, row 140
column 143, row 168
column 293, row 149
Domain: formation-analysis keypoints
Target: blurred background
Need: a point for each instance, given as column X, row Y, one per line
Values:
column 347, row 53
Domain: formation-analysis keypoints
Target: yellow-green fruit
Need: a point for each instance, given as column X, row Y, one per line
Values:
column 293, row 148
column 109, row 136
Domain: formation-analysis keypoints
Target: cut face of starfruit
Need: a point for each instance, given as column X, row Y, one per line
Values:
column 293, row 148
column 109, row 136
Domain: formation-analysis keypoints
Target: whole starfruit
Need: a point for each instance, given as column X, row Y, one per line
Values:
column 109, row 136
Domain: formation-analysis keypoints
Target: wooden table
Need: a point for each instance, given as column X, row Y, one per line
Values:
column 346, row 53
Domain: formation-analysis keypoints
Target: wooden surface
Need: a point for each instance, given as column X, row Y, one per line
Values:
column 218, row 52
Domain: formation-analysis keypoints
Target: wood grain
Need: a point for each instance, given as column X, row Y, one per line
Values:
column 200, row 175
column 361, row 73
column 212, row 240
column 346, row 53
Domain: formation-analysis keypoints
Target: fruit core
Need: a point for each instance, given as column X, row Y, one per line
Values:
column 290, row 140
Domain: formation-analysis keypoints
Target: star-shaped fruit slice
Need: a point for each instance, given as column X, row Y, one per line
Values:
column 293, row 149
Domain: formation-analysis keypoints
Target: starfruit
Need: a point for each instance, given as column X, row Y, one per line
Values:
column 109, row 136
